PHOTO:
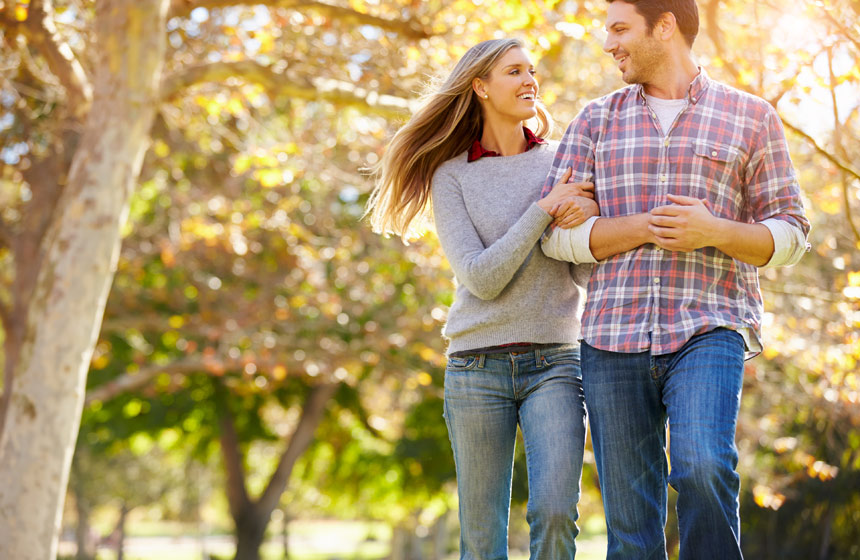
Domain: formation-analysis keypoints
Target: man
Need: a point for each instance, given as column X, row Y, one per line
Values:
column 696, row 190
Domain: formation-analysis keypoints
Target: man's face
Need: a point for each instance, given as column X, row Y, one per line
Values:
column 638, row 53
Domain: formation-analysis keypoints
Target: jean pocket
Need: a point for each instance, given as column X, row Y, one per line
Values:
column 558, row 358
column 458, row 363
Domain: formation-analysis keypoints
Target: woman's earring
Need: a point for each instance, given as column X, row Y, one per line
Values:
column 486, row 96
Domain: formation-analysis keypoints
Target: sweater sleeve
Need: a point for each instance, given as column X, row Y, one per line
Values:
column 484, row 271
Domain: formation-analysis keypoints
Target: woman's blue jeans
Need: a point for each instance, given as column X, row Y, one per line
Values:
column 630, row 398
column 486, row 396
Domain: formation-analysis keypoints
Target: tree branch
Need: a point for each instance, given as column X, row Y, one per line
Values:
column 411, row 28
column 821, row 151
column 301, row 438
column 134, row 380
column 41, row 33
column 715, row 35
column 335, row 92
column 846, row 32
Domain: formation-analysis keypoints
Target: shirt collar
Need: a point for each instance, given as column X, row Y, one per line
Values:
column 476, row 151
column 694, row 92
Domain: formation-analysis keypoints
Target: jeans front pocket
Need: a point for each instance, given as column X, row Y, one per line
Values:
column 461, row 363
column 561, row 356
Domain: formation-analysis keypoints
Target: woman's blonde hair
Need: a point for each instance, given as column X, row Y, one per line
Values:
column 446, row 123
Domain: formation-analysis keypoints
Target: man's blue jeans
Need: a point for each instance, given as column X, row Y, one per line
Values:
column 630, row 398
column 486, row 396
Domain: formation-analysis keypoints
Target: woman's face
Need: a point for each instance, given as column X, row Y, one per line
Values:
column 511, row 88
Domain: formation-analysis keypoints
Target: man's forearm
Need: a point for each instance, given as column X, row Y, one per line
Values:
column 612, row 236
column 750, row 243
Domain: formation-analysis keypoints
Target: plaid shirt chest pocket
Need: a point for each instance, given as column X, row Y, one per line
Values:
column 715, row 173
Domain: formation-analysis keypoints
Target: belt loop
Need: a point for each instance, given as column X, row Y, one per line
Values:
column 481, row 360
column 537, row 357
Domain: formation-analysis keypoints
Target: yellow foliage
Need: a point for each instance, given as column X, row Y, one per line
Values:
column 424, row 378
column 21, row 11
column 176, row 321
column 161, row 148
column 767, row 498
column 831, row 207
column 100, row 362
column 242, row 164
column 235, row 106
column 270, row 177
column 279, row 373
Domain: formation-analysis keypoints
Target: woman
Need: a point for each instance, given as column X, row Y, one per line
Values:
column 513, row 356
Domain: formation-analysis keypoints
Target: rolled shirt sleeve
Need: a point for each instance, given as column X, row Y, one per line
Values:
column 572, row 245
column 789, row 243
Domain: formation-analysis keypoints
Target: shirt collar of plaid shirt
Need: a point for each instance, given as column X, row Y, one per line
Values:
column 694, row 92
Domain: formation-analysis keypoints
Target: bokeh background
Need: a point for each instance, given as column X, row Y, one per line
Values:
column 268, row 371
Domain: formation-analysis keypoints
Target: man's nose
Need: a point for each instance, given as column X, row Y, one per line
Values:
column 609, row 44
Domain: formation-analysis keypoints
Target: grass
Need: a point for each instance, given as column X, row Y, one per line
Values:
column 309, row 540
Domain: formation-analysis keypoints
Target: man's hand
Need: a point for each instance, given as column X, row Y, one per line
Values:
column 685, row 225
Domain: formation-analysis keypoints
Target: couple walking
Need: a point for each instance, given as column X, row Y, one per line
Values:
column 663, row 199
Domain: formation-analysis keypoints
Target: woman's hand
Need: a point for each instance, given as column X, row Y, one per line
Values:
column 563, row 191
column 574, row 211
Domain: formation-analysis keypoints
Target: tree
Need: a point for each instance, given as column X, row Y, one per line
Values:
column 101, row 82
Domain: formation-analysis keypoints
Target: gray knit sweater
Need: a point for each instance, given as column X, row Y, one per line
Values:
column 489, row 225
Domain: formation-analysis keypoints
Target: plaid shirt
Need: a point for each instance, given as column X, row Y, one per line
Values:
column 725, row 146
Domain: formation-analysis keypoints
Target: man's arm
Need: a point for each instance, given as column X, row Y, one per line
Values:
column 778, row 236
column 598, row 239
column 688, row 225
column 613, row 236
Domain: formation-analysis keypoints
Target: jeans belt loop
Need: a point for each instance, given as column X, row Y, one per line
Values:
column 481, row 358
column 537, row 356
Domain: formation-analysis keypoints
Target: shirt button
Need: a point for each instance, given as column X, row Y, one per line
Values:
column 693, row 99
column 666, row 142
column 663, row 178
column 714, row 153
column 656, row 280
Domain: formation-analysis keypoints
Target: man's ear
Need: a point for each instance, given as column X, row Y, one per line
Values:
column 666, row 26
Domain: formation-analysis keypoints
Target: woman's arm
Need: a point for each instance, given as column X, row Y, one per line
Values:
column 485, row 271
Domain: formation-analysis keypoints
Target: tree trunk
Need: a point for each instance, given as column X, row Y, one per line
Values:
column 120, row 531
column 83, row 530
column 80, row 254
column 399, row 543
column 250, row 533
column 252, row 516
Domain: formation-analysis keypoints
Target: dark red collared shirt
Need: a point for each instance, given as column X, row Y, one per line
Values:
column 476, row 151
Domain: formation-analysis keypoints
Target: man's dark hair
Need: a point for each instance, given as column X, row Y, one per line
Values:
column 686, row 14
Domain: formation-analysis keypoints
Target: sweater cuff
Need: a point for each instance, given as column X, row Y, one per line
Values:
column 789, row 244
column 536, row 217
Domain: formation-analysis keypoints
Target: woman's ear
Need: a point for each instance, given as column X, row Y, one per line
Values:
column 479, row 88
